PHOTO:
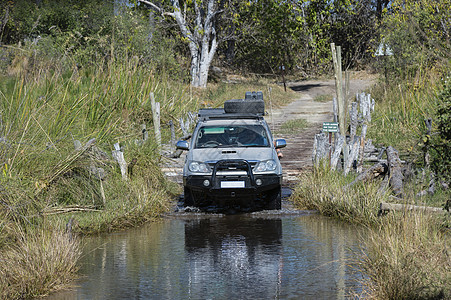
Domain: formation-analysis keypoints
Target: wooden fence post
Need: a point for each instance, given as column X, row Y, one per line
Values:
column 144, row 132
column 396, row 177
column 339, row 140
column 118, row 155
column 156, row 119
column 320, row 148
column 366, row 107
column 354, row 120
column 353, row 155
column 171, row 126
column 336, row 57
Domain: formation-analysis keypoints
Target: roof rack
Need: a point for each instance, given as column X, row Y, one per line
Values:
column 205, row 112
column 251, row 107
column 219, row 113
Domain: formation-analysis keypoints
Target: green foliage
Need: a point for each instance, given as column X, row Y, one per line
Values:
column 298, row 34
column 67, row 35
column 269, row 31
column 418, row 34
column 441, row 143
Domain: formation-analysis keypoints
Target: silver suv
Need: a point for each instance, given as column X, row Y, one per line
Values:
column 232, row 160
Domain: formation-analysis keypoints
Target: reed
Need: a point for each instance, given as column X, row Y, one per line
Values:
column 39, row 262
column 325, row 191
column 407, row 257
column 400, row 111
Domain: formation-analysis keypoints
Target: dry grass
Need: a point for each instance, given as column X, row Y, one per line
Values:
column 407, row 257
column 325, row 191
column 273, row 94
column 38, row 263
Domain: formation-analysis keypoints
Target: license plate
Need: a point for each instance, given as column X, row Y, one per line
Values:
column 232, row 184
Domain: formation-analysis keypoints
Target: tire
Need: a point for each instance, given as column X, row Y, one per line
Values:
column 188, row 199
column 274, row 199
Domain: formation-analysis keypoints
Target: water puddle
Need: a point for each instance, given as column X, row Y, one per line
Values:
column 285, row 254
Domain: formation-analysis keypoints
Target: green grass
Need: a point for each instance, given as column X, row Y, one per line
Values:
column 404, row 255
column 323, row 98
column 400, row 111
column 326, row 191
column 273, row 94
column 407, row 257
column 293, row 126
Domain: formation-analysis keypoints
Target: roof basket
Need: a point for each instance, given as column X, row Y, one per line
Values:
column 254, row 96
column 252, row 103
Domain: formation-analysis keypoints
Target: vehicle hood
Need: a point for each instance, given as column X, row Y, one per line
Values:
column 215, row 154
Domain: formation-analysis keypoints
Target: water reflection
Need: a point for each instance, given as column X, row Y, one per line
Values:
column 238, row 257
column 234, row 256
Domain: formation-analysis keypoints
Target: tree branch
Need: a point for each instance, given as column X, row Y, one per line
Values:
column 157, row 8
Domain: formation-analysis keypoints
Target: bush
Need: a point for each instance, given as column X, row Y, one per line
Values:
column 441, row 143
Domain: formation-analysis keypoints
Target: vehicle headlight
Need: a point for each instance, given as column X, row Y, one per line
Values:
column 198, row 167
column 265, row 165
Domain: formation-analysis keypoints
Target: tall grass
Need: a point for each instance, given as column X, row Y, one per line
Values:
column 401, row 108
column 407, row 257
column 39, row 262
column 326, row 191
column 41, row 117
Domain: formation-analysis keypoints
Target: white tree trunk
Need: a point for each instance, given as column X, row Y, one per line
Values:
column 202, row 39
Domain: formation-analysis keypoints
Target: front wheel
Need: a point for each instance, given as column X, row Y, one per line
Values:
column 188, row 197
column 274, row 199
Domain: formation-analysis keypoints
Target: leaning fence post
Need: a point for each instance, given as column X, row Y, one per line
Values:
column 118, row 155
column 156, row 119
column 171, row 125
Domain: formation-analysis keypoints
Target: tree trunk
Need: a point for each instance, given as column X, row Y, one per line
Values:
column 201, row 37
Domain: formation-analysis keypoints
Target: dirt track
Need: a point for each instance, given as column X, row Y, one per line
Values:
column 298, row 153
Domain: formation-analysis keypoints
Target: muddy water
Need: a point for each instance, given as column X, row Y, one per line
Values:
column 285, row 255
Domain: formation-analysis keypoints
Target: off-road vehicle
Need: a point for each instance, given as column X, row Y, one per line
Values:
column 232, row 160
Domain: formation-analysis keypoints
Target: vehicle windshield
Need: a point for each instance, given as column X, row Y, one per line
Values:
column 231, row 136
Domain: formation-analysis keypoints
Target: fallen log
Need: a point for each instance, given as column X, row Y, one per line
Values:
column 371, row 173
column 68, row 209
column 386, row 207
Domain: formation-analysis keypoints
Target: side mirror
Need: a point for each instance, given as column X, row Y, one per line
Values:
column 182, row 145
column 280, row 143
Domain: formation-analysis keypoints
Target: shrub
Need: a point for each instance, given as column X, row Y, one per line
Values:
column 441, row 143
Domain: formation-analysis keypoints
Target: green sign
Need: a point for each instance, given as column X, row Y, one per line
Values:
column 330, row 127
